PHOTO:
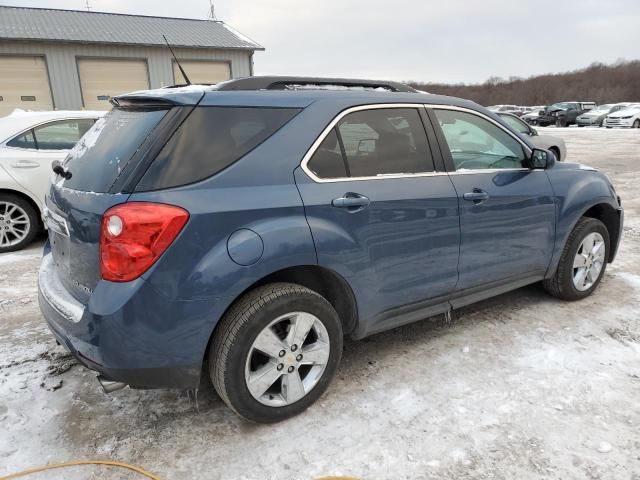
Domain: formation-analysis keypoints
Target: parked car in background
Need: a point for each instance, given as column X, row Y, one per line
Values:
column 248, row 228
column 29, row 143
column 628, row 117
column 513, row 109
column 546, row 142
column 596, row 116
column 563, row 114
column 531, row 117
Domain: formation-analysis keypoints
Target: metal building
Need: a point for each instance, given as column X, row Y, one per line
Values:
column 67, row 59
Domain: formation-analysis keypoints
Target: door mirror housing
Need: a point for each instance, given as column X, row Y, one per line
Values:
column 533, row 132
column 541, row 159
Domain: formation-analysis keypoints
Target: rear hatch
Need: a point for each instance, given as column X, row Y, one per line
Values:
column 98, row 174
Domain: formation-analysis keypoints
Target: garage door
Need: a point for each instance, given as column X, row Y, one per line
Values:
column 24, row 83
column 103, row 78
column 202, row 72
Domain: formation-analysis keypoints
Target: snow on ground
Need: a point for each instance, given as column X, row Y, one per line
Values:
column 521, row 386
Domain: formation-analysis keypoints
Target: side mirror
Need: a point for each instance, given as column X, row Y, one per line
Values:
column 533, row 132
column 541, row 159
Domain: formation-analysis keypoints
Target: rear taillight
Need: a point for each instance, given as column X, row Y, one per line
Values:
column 134, row 235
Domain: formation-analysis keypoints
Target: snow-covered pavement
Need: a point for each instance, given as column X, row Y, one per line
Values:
column 522, row 386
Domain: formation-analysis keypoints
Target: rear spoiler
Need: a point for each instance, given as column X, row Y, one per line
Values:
column 160, row 98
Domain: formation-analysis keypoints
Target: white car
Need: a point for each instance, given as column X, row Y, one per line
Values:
column 547, row 142
column 29, row 143
column 628, row 117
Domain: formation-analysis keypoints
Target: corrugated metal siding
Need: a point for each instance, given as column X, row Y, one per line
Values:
column 63, row 70
column 98, row 27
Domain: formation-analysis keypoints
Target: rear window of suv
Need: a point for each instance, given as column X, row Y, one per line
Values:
column 210, row 140
column 103, row 152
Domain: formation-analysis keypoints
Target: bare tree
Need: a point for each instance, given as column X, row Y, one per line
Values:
column 618, row 82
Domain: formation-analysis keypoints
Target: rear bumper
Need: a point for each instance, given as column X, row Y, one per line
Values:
column 588, row 122
column 129, row 332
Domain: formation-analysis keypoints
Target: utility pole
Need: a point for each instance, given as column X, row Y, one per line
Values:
column 88, row 6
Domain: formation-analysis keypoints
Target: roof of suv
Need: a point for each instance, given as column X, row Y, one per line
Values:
column 302, row 93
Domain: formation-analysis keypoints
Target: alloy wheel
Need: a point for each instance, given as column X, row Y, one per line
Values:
column 287, row 359
column 14, row 224
column 588, row 262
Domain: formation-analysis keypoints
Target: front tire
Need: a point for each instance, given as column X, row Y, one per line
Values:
column 583, row 261
column 275, row 352
column 19, row 223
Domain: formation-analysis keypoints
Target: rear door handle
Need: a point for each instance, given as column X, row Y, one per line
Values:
column 477, row 196
column 25, row 164
column 354, row 202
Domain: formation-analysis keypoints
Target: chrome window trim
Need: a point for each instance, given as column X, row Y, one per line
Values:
column 334, row 122
column 417, row 106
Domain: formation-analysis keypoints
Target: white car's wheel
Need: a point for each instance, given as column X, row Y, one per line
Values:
column 19, row 223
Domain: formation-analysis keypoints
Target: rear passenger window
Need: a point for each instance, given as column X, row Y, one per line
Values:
column 328, row 162
column 211, row 139
column 374, row 142
column 26, row 140
column 61, row 135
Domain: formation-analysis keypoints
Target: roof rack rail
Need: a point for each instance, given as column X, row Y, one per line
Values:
column 286, row 83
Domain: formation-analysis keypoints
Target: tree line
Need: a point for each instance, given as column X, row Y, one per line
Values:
column 600, row 83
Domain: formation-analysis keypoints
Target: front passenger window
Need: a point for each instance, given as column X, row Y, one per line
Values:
column 476, row 143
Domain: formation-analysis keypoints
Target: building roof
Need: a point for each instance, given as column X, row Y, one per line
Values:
column 21, row 23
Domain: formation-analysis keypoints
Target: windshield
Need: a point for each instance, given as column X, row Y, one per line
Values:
column 102, row 153
column 562, row 106
column 602, row 109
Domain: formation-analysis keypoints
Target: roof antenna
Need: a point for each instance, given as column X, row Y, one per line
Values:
column 212, row 12
column 184, row 74
column 88, row 6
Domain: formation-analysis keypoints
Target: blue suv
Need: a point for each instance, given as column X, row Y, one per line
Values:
column 242, row 230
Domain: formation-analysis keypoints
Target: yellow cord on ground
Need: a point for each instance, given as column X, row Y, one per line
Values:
column 81, row 462
column 111, row 463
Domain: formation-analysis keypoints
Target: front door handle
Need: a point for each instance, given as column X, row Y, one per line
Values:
column 477, row 196
column 353, row 202
column 25, row 164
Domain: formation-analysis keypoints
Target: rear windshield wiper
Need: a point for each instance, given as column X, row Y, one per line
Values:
column 58, row 169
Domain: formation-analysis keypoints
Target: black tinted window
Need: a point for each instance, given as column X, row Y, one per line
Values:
column 211, row 139
column 327, row 161
column 385, row 141
column 25, row 140
column 62, row 135
column 99, row 157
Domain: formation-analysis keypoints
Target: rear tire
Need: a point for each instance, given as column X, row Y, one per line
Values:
column 636, row 124
column 582, row 264
column 19, row 223
column 263, row 364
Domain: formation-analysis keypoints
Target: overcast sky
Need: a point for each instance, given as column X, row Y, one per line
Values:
column 425, row 40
